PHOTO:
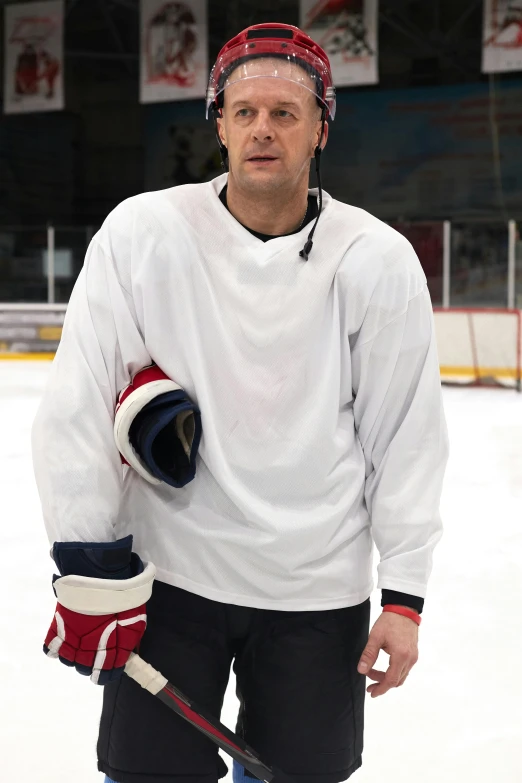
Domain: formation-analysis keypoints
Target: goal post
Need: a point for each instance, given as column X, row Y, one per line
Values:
column 479, row 346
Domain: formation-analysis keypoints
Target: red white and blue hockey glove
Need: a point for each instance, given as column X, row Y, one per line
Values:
column 157, row 428
column 101, row 615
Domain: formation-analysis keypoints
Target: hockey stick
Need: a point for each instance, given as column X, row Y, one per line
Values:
column 154, row 682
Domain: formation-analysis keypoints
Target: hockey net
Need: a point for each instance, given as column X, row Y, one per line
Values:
column 479, row 346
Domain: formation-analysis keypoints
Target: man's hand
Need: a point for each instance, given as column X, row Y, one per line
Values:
column 398, row 636
column 101, row 614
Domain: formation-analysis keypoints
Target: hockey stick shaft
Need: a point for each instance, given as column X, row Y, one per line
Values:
column 150, row 679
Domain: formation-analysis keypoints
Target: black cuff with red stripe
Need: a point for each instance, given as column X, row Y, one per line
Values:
column 402, row 599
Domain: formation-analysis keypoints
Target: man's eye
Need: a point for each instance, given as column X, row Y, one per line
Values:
column 243, row 112
column 283, row 113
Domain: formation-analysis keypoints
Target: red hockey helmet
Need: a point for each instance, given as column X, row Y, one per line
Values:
column 295, row 55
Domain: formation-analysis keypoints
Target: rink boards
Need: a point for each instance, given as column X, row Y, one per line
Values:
column 473, row 343
column 477, row 344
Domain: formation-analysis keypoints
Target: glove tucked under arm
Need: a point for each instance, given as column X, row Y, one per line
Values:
column 157, row 428
column 99, row 620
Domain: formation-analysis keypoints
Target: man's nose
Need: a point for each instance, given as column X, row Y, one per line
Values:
column 262, row 129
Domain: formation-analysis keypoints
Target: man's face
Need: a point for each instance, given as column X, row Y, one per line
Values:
column 271, row 128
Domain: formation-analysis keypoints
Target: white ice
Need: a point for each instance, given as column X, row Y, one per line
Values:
column 457, row 719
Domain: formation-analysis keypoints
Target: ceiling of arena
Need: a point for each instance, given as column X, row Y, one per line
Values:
column 421, row 42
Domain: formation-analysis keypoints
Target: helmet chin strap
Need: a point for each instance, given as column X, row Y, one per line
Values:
column 307, row 249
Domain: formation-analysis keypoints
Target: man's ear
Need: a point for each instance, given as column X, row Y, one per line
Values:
column 325, row 136
column 318, row 136
column 221, row 129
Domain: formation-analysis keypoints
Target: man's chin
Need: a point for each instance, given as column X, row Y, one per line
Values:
column 261, row 180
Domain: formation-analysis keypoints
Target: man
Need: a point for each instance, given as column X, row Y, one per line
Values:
column 272, row 357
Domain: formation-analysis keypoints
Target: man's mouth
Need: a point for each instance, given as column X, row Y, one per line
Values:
column 262, row 158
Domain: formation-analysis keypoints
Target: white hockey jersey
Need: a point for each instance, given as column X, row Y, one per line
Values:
column 318, row 385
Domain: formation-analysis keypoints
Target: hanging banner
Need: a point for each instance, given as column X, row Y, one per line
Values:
column 33, row 66
column 174, row 58
column 347, row 31
column 502, row 40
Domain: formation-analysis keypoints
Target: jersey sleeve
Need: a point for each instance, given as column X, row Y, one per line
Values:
column 401, row 427
column 76, row 462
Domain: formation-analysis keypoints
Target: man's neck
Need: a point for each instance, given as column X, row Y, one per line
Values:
column 268, row 214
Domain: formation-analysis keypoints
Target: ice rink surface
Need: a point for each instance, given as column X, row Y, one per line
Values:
column 458, row 719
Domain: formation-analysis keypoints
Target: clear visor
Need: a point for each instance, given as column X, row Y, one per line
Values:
column 243, row 63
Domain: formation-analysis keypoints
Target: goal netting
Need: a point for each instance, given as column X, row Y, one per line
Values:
column 479, row 346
